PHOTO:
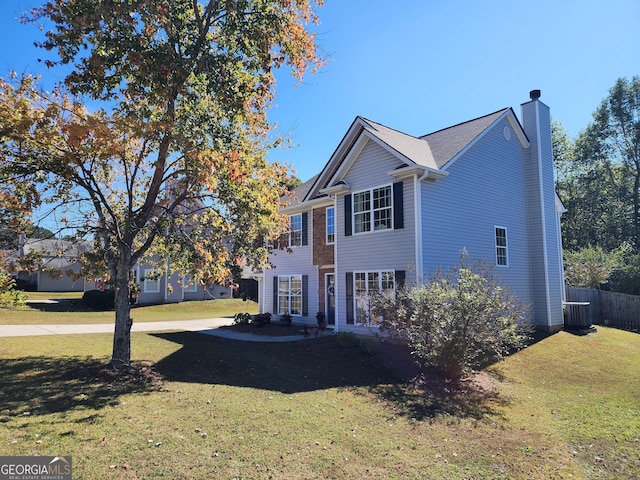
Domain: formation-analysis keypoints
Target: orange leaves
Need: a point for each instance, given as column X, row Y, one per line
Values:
column 76, row 133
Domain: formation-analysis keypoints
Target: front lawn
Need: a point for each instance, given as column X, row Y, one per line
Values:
column 565, row 407
column 71, row 311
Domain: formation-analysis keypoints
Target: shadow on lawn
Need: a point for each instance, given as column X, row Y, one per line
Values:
column 321, row 363
column 43, row 385
column 62, row 305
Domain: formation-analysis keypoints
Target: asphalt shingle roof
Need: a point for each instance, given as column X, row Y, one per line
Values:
column 434, row 150
column 447, row 143
column 410, row 147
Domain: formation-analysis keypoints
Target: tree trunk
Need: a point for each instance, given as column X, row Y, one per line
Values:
column 121, row 355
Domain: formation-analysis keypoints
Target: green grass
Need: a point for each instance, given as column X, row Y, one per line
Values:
column 566, row 407
column 54, row 295
column 71, row 311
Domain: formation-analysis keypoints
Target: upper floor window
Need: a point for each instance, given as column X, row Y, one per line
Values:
column 373, row 210
column 331, row 225
column 502, row 258
column 295, row 230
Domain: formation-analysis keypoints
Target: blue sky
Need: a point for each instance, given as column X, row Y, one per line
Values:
column 422, row 65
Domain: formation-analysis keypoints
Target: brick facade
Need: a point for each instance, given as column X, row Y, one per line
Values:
column 322, row 253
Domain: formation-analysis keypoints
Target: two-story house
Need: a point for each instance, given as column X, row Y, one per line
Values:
column 389, row 208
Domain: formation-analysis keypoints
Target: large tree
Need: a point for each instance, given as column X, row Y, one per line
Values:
column 611, row 145
column 155, row 143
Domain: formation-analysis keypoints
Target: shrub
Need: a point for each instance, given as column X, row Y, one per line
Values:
column 591, row 266
column 626, row 276
column 261, row 319
column 347, row 339
column 99, row 299
column 367, row 345
column 9, row 296
column 242, row 318
column 457, row 320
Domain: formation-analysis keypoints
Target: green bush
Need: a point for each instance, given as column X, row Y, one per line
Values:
column 592, row 267
column 626, row 276
column 9, row 296
column 456, row 321
column 99, row 299
column 347, row 339
column 366, row 345
column 242, row 318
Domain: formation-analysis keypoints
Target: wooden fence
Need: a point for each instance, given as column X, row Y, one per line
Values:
column 609, row 308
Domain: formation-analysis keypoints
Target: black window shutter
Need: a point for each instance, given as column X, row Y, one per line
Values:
column 305, row 235
column 350, row 299
column 275, row 295
column 347, row 215
column 400, row 276
column 398, row 206
column 305, row 294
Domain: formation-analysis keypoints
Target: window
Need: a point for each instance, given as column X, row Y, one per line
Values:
column 331, row 225
column 373, row 210
column 366, row 284
column 502, row 259
column 290, row 294
column 189, row 285
column 295, row 230
column 151, row 281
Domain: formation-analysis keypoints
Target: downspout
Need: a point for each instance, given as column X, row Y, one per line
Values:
column 261, row 305
column 335, row 265
column 560, row 259
column 417, row 191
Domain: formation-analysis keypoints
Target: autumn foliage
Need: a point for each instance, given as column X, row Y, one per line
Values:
column 154, row 145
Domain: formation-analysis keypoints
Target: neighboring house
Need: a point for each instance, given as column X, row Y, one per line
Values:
column 158, row 287
column 57, row 268
column 390, row 208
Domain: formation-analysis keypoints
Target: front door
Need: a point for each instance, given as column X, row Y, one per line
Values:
column 330, row 297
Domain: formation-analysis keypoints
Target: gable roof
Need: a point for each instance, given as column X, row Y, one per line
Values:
column 434, row 151
column 413, row 149
column 296, row 196
column 55, row 247
column 447, row 143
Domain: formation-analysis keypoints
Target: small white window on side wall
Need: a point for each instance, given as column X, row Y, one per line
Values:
column 502, row 257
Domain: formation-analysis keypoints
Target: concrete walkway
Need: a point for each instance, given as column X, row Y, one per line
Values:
column 209, row 326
